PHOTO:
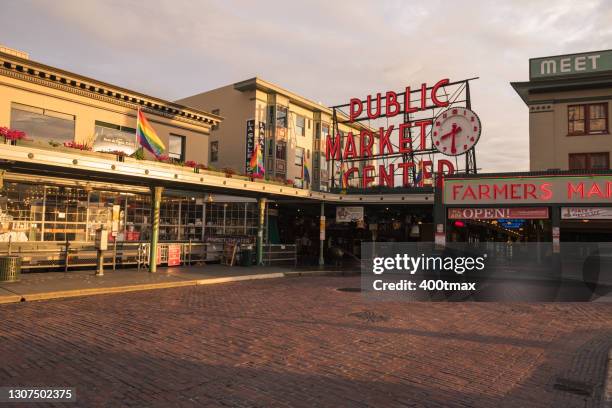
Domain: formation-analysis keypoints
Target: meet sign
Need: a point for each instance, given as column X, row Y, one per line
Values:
column 570, row 65
column 529, row 190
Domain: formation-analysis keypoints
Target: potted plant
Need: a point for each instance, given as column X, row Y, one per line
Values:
column 138, row 154
column 120, row 154
column 229, row 172
column 11, row 136
column 193, row 165
column 78, row 146
column 163, row 158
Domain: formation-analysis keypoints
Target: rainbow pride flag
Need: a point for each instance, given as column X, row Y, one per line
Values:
column 147, row 137
column 256, row 164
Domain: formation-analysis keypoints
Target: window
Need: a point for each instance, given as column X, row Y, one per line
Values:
column 281, row 116
column 587, row 119
column 214, row 151
column 215, row 112
column 42, row 125
column 324, row 131
column 176, row 147
column 300, row 125
column 589, row 161
column 281, row 150
column 114, row 138
column 299, row 156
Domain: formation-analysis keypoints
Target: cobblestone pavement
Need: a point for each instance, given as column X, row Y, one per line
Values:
column 298, row 342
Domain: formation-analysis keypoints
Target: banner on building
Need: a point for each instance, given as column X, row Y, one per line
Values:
column 585, row 213
column 349, row 214
column 254, row 136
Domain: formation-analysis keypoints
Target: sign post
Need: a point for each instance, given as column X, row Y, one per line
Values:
column 322, row 235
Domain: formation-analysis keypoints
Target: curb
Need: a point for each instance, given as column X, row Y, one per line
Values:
column 296, row 274
column 152, row 286
column 103, row 291
column 606, row 398
column 10, row 299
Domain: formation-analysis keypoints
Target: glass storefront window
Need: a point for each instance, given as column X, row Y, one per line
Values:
column 65, row 215
column 231, row 219
column 21, row 212
column 30, row 212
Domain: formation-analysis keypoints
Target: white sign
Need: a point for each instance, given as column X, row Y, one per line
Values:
column 584, row 213
column 349, row 214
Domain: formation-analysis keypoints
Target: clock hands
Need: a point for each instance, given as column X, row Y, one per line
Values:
column 455, row 129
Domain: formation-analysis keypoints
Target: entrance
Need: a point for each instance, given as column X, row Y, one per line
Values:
column 299, row 223
column 586, row 224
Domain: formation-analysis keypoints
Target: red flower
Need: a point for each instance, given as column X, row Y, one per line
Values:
column 163, row 158
column 191, row 163
column 12, row 134
column 79, row 146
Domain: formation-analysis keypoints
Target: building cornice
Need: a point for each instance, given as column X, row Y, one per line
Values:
column 44, row 75
column 257, row 83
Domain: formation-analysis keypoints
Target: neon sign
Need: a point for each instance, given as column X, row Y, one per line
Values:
column 526, row 190
column 411, row 135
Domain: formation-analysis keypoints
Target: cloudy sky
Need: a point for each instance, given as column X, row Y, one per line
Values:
column 326, row 50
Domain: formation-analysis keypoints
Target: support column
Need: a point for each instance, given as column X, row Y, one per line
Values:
column 439, row 215
column 555, row 217
column 156, row 194
column 260, row 229
column 322, row 235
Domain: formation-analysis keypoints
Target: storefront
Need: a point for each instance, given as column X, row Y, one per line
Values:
column 62, row 211
column 528, row 207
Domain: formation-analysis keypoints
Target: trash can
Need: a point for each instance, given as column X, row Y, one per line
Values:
column 246, row 257
column 10, row 268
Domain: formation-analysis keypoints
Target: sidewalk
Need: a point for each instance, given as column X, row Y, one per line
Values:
column 52, row 285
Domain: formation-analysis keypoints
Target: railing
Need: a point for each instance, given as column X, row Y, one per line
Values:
column 74, row 255
column 275, row 254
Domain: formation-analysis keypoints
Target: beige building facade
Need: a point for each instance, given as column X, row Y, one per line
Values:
column 294, row 130
column 570, row 102
column 56, row 109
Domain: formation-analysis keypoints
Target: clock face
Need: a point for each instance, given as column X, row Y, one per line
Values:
column 455, row 131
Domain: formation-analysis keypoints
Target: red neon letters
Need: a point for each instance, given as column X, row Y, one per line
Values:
column 392, row 106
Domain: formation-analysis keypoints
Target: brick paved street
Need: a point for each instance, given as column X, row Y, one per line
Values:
column 299, row 342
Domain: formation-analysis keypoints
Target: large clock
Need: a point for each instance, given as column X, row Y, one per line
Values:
column 455, row 131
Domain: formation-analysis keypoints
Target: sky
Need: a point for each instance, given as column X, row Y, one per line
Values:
column 327, row 51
